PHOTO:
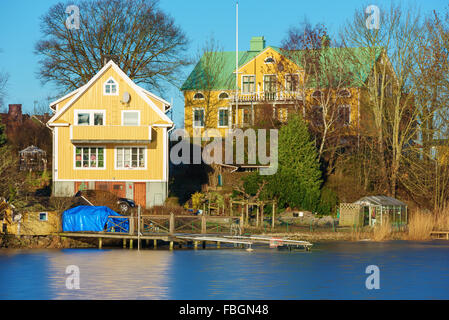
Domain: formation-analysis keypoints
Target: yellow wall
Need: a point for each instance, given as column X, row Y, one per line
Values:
column 94, row 99
column 32, row 226
column 258, row 67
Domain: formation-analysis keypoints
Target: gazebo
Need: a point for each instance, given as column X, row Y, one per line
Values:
column 377, row 209
column 33, row 159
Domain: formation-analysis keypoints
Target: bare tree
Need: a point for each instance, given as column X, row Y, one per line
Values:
column 390, row 53
column 206, row 80
column 143, row 40
column 323, row 86
column 3, row 81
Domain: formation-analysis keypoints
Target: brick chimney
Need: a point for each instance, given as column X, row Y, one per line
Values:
column 15, row 112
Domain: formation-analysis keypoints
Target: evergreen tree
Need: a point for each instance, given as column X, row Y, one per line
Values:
column 298, row 180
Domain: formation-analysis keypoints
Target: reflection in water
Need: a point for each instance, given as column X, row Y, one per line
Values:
column 418, row 270
column 112, row 274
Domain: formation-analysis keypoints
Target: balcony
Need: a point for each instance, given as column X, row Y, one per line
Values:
column 110, row 134
column 260, row 97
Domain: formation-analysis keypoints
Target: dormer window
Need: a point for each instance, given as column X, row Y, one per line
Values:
column 223, row 96
column 344, row 93
column 111, row 87
column 269, row 60
column 317, row 94
column 198, row 96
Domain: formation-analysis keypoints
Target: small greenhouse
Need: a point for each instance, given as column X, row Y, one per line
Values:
column 373, row 210
column 377, row 209
column 33, row 159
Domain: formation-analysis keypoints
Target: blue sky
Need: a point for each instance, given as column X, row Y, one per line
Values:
column 19, row 31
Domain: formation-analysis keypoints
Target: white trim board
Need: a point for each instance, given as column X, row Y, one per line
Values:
column 136, row 88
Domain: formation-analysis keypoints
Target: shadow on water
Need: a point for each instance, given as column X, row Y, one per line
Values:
column 333, row 270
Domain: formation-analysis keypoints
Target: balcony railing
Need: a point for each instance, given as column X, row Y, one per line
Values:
column 267, row 96
column 110, row 134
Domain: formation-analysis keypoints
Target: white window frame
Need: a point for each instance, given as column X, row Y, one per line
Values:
column 348, row 106
column 275, row 82
column 280, row 116
column 110, row 93
column 218, row 117
column 340, row 96
column 130, row 147
column 46, row 216
column 270, row 57
column 91, row 116
column 193, row 117
column 198, row 98
column 89, row 168
column 221, row 94
column 129, row 111
column 285, row 83
column 254, row 83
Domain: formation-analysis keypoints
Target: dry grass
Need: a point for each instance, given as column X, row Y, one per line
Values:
column 382, row 232
column 421, row 223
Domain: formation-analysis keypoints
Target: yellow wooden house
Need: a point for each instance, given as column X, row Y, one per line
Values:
column 266, row 76
column 111, row 134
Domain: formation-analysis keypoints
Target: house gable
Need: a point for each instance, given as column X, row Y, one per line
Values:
column 91, row 96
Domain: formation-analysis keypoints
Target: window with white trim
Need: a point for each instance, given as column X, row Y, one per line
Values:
column 223, row 117
column 89, row 157
column 198, row 118
column 248, row 84
column 223, row 96
column 111, row 87
column 89, row 118
column 344, row 114
column 198, row 96
column 269, row 83
column 283, row 114
column 291, row 82
column 130, row 118
column 130, row 157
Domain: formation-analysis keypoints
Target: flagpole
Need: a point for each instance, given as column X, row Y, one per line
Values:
column 236, row 63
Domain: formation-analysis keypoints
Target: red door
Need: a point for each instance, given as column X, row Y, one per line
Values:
column 140, row 194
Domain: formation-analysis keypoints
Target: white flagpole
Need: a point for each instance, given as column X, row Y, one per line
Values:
column 237, row 63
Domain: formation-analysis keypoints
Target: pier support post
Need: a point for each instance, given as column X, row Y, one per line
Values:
column 155, row 243
column 124, row 243
column 171, row 245
column 195, row 244
column 131, row 243
column 257, row 217
column 203, row 224
column 218, row 244
column 100, row 243
column 172, row 223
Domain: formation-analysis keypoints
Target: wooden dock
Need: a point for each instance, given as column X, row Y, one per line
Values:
column 183, row 230
column 439, row 235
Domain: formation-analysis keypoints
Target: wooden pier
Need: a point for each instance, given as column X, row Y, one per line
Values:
column 439, row 235
column 182, row 230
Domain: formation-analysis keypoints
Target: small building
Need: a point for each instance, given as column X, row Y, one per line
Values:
column 373, row 210
column 33, row 159
column 32, row 223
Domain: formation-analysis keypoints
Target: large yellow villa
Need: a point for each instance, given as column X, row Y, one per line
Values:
column 111, row 134
column 266, row 76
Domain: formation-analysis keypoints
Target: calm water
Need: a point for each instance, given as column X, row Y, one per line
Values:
column 418, row 270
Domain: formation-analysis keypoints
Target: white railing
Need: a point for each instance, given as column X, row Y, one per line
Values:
column 267, row 96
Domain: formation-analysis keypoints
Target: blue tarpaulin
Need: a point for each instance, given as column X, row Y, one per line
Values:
column 89, row 218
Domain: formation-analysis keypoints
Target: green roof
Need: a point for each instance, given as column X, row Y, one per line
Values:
column 358, row 63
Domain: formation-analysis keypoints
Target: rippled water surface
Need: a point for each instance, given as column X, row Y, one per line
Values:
column 416, row 270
